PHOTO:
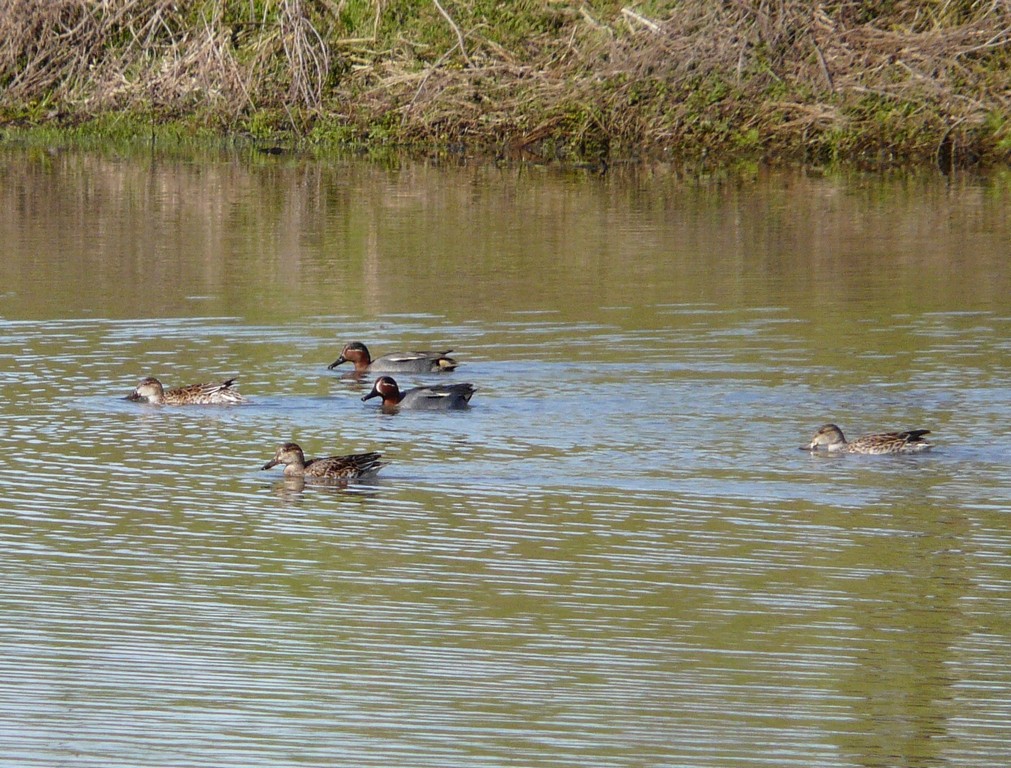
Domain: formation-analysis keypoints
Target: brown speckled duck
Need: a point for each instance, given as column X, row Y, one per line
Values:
column 223, row 393
column 333, row 468
column 830, row 438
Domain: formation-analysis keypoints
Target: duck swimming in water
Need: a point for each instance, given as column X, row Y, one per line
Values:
column 830, row 438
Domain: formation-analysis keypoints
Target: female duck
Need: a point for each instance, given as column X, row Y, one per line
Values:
column 830, row 438
column 152, row 391
column 438, row 397
column 400, row 362
column 341, row 468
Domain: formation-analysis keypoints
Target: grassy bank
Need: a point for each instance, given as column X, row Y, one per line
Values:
column 872, row 83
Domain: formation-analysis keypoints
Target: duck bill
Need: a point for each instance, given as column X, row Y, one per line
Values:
column 133, row 397
column 336, row 362
column 809, row 447
column 269, row 464
column 370, row 395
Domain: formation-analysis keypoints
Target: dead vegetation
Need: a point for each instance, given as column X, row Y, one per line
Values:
column 873, row 82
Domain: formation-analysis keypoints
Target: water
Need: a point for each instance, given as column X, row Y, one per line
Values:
column 616, row 557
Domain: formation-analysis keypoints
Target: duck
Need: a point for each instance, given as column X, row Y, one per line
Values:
column 436, row 397
column 398, row 362
column 830, row 438
column 343, row 468
column 222, row 393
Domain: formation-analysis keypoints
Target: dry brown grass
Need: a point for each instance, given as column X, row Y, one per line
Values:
column 787, row 78
column 879, row 81
column 128, row 54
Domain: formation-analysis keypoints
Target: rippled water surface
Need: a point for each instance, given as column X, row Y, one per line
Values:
column 616, row 557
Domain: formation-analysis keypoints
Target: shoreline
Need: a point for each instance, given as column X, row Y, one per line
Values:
column 833, row 85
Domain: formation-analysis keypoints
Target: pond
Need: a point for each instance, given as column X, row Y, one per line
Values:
column 617, row 556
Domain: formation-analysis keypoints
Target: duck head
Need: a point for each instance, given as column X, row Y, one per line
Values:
column 150, row 390
column 386, row 388
column 356, row 353
column 828, row 437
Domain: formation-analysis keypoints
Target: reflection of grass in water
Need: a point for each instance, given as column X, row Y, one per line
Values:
column 547, row 81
